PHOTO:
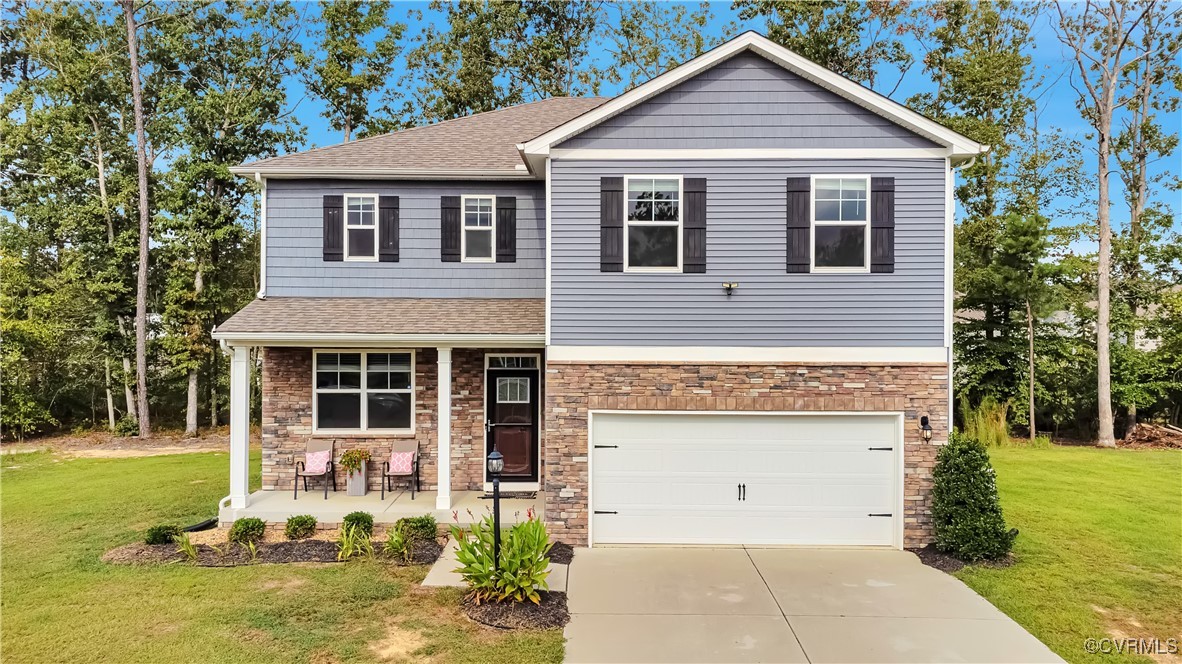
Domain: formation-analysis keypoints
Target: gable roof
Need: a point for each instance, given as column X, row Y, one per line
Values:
column 480, row 145
column 958, row 146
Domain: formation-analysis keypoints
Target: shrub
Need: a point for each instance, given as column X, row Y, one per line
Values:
column 250, row 529
column 363, row 521
column 351, row 461
column 524, row 559
column 986, row 422
column 126, row 427
column 966, row 512
column 162, row 534
column 353, row 542
column 300, row 526
column 418, row 528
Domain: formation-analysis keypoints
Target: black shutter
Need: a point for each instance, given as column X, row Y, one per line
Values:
column 799, row 190
column 611, row 224
column 334, row 228
column 506, row 229
column 882, row 225
column 694, row 226
column 388, row 229
column 449, row 229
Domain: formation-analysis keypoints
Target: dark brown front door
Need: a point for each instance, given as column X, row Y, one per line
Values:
column 512, row 421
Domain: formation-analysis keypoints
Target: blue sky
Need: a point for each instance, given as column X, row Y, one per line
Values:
column 1050, row 60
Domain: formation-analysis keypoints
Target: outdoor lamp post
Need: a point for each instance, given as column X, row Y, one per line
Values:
column 496, row 463
column 925, row 428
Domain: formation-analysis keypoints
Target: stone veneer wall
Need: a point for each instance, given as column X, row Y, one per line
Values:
column 572, row 389
column 287, row 419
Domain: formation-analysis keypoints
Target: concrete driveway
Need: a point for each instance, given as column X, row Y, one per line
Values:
column 781, row 605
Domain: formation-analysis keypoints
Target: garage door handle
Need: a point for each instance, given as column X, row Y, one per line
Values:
column 881, row 449
column 880, row 515
column 605, row 512
column 601, row 447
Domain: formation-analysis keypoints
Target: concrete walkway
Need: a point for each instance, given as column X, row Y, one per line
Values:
column 781, row 605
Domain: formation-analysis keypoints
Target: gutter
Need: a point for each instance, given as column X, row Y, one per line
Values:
column 521, row 173
column 349, row 339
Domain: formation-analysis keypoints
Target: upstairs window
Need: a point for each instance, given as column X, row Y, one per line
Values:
column 480, row 227
column 841, row 224
column 652, row 224
column 361, row 228
column 364, row 391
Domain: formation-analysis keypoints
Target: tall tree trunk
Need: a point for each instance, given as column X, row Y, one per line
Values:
column 141, row 291
column 110, row 394
column 1103, row 286
column 191, row 403
column 1030, row 365
column 128, row 393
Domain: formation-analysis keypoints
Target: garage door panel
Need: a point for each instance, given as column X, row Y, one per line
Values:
column 810, row 479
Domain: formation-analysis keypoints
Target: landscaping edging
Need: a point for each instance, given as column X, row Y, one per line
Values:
column 549, row 613
column 233, row 555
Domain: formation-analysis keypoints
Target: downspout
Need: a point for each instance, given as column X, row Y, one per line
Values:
column 258, row 177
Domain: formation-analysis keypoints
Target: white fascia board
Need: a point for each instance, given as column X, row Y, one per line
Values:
column 748, row 354
column 349, row 340
column 675, row 154
column 864, row 97
column 281, row 173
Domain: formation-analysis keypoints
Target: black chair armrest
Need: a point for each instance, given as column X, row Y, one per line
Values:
column 385, row 467
column 299, row 467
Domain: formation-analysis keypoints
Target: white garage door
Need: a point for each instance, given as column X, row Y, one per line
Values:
column 676, row 478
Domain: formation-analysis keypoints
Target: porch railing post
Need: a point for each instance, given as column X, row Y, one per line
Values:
column 443, row 427
column 239, row 425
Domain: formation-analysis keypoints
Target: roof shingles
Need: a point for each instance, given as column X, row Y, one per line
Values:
column 482, row 142
column 366, row 315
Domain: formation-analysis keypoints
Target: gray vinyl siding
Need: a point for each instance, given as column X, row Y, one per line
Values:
column 746, row 244
column 295, row 265
column 747, row 102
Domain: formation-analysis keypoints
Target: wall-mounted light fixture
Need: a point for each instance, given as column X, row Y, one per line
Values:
column 729, row 287
column 925, row 428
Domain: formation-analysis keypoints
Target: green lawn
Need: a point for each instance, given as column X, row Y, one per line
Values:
column 1100, row 549
column 60, row 603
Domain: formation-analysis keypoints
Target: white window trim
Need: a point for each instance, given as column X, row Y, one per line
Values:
column 813, row 223
column 362, row 431
column 492, row 230
column 488, row 357
column 680, row 224
column 374, row 228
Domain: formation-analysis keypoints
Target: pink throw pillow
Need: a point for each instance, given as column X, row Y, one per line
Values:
column 401, row 462
column 316, row 463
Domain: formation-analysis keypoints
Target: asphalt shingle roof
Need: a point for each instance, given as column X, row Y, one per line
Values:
column 373, row 315
column 481, row 142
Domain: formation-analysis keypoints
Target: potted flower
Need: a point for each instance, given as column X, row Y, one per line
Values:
column 354, row 463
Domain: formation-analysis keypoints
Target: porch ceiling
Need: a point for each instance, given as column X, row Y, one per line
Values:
column 297, row 320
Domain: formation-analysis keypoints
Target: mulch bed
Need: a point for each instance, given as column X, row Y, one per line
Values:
column 944, row 562
column 232, row 555
column 550, row 613
column 561, row 554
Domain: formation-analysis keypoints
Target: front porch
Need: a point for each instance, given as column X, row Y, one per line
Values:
column 467, row 506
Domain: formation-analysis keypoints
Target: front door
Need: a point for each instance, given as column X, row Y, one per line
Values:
column 512, row 421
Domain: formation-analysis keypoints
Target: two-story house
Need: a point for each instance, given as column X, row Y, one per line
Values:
column 713, row 309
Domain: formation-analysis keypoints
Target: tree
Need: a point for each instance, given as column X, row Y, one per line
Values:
column 849, row 37
column 347, row 70
column 645, row 39
column 1102, row 41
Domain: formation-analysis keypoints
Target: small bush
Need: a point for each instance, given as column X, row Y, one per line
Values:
column 126, row 427
column 418, row 528
column 250, row 529
column 524, row 559
column 162, row 534
column 966, row 512
column 363, row 521
column 300, row 526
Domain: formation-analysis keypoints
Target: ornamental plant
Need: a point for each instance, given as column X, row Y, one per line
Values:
column 966, row 511
column 300, row 526
column 362, row 521
column 351, row 460
column 162, row 534
column 522, row 572
column 250, row 529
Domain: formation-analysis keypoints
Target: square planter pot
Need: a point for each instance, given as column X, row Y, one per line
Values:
column 356, row 482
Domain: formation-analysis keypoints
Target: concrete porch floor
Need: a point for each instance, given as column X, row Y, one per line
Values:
column 277, row 506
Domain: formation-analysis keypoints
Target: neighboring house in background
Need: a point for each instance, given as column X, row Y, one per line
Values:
column 710, row 310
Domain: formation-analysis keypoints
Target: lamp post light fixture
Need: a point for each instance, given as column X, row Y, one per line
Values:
column 496, row 464
column 925, row 428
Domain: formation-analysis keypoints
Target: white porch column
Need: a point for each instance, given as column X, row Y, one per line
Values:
column 239, row 425
column 443, row 426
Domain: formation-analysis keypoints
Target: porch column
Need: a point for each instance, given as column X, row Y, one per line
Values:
column 239, row 425
column 443, row 426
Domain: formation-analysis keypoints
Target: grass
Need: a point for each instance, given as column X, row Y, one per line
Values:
column 60, row 602
column 1100, row 549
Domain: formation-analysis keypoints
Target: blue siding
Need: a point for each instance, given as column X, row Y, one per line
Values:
column 746, row 244
column 747, row 102
column 295, row 266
